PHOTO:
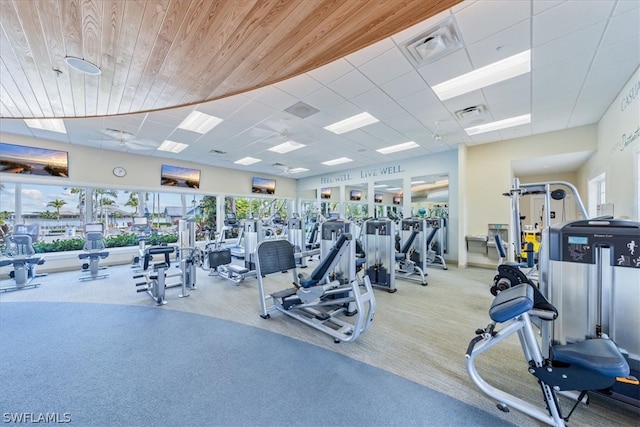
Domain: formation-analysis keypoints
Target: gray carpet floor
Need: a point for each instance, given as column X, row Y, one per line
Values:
column 113, row 365
column 183, row 354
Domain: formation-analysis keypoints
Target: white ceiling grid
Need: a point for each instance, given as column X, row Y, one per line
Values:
column 583, row 52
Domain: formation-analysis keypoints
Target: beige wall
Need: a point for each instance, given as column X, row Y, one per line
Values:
column 489, row 174
column 92, row 166
column 618, row 143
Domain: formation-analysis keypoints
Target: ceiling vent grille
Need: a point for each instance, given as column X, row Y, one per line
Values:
column 470, row 113
column 301, row 110
column 432, row 44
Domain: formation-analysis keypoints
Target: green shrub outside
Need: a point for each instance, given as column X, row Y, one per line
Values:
column 120, row 241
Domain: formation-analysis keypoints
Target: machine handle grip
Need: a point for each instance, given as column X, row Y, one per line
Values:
column 472, row 344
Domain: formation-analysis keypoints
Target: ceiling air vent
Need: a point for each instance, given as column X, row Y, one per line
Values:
column 470, row 113
column 432, row 44
column 301, row 110
column 217, row 152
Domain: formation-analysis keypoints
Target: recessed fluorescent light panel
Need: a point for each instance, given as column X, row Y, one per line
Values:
column 172, row 146
column 417, row 182
column 337, row 161
column 507, row 68
column 398, row 147
column 285, row 147
column 297, row 170
column 247, row 161
column 500, row 124
column 199, row 122
column 352, row 123
column 53, row 125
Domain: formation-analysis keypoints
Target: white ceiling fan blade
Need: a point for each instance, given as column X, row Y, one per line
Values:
column 138, row 144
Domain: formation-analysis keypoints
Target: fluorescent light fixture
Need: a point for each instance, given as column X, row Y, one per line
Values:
column 398, row 147
column 53, row 125
column 285, row 147
column 199, row 122
column 337, row 161
column 417, row 182
column 247, row 161
column 297, row 170
column 500, row 124
column 172, row 146
column 352, row 123
column 394, row 189
column 379, row 185
column 507, row 68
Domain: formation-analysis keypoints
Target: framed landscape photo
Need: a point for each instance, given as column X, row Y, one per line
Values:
column 176, row 176
column 33, row 161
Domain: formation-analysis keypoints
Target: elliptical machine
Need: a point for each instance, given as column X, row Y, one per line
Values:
column 21, row 254
column 94, row 251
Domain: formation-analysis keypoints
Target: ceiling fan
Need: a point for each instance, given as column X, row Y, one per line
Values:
column 128, row 140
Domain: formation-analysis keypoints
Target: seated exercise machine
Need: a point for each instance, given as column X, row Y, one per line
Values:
column 411, row 259
column 189, row 257
column 380, row 260
column 322, row 300
column 296, row 236
column 155, row 279
column 591, row 272
column 436, row 242
column 94, row 251
column 21, row 254
column 592, row 364
column 218, row 258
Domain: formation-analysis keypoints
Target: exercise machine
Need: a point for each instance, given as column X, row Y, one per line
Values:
column 591, row 273
column 218, row 258
column 592, row 364
column 21, row 254
column 331, row 303
column 411, row 258
column 94, row 248
column 379, row 240
column 141, row 228
column 296, row 236
column 518, row 251
column 436, row 238
column 232, row 224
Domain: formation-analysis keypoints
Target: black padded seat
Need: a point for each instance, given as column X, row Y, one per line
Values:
column 599, row 355
column 237, row 269
column 321, row 270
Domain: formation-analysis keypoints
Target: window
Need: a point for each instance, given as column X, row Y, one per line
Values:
column 597, row 194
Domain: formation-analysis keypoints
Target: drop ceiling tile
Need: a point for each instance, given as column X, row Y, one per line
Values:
column 351, row 84
column 368, row 53
column 627, row 6
column 299, row 86
column 417, row 100
column 386, row 67
column 332, row 71
column 387, row 111
column 509, row 93
column 431, row 114
column 343, row 111
column 276, row 98
column 484, row 18
column 623, row 27
column 324, row 99
column 540, row 6
column 252, row 113
column 404, row 85
column 501, row 45
column 452, row 65
column 581, row 42
column 568, row 17
column 224, row 107
column 371, row 99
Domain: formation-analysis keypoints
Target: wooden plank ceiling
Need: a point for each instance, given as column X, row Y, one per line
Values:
column 156, row 54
